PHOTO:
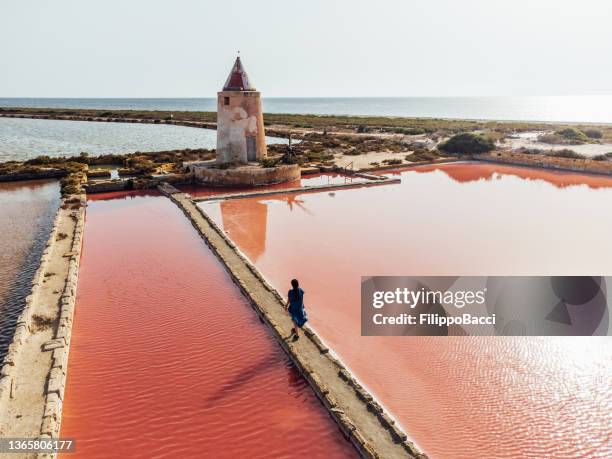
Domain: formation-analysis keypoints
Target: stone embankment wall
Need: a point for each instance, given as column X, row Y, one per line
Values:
column 245, row 176
column 374, row 180
column 34, row 370
column 548, row 162
column 136, row 183
column 402, row 166
column 38, row 175
column 360, row 417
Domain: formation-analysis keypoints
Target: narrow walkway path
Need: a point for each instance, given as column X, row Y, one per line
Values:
column 361, row 418
column 300, row 189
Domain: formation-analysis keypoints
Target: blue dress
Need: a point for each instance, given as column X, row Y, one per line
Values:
column 296, row 307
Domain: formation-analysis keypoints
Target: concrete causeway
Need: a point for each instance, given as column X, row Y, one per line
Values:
column 360, row 417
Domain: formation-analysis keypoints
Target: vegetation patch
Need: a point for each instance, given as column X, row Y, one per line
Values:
column 392, row 161
column 565, row 153
column 435, row 127
column 422, row 155
column 269, row 162
column 565, row 136
column 593, row 133
column 531, row 151
column 468, row 143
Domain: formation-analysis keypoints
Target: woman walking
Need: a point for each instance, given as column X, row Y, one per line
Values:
column 295, row 306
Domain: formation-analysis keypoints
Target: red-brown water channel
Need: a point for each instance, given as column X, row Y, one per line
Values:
column 168, row 359
column 458, row 397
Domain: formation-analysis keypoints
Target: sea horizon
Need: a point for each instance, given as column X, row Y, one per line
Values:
column 595, row 109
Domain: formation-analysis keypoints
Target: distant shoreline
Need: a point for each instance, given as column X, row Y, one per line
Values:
column 545, row 109
column 208, row 119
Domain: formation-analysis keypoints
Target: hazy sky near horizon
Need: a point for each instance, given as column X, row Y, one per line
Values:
column 185, row 48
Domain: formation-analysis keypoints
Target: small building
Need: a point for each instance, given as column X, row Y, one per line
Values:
column 240, row 128
column 241, row 140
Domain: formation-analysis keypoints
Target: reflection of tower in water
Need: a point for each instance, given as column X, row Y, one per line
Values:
column 246, row 222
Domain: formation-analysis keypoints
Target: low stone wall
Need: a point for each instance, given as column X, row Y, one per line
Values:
column 60, row 345
column 103, row 186
column 391, row 167
column 548, row 162
column 245, row 176
column 108, row 185
column 360, row 417
column 98, row 173
column 34, row 371
column 42, row 175
column 374, row 181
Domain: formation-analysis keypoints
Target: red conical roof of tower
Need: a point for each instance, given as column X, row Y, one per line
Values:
column 238, row 80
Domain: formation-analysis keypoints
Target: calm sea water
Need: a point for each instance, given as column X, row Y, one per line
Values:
column 27, row 138
column 596, row 109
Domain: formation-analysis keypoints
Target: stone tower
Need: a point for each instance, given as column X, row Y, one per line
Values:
column 240, row 128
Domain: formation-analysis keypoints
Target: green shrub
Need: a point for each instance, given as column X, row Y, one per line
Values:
column 82, row 158
column 409, row 131
column 467, row 143
column 422, row 155
column 573, row 134
column 72, row 167
column 392, row 161
column 530, row 151
column 565, row 153
column 269, row 162
column 600, row 158
column 593, row 133
column 40, row 160
column 353, row 152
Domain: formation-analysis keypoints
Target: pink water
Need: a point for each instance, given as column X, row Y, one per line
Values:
column 168, row 359
column 470, row 397
column 323, row 178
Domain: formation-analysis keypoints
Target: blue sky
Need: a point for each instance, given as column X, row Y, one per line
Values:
column 185, row 48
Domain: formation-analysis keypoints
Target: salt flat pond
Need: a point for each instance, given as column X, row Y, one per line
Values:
column 22, row 139
column 27, row 210
column 168, row 359
column 458, row 397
